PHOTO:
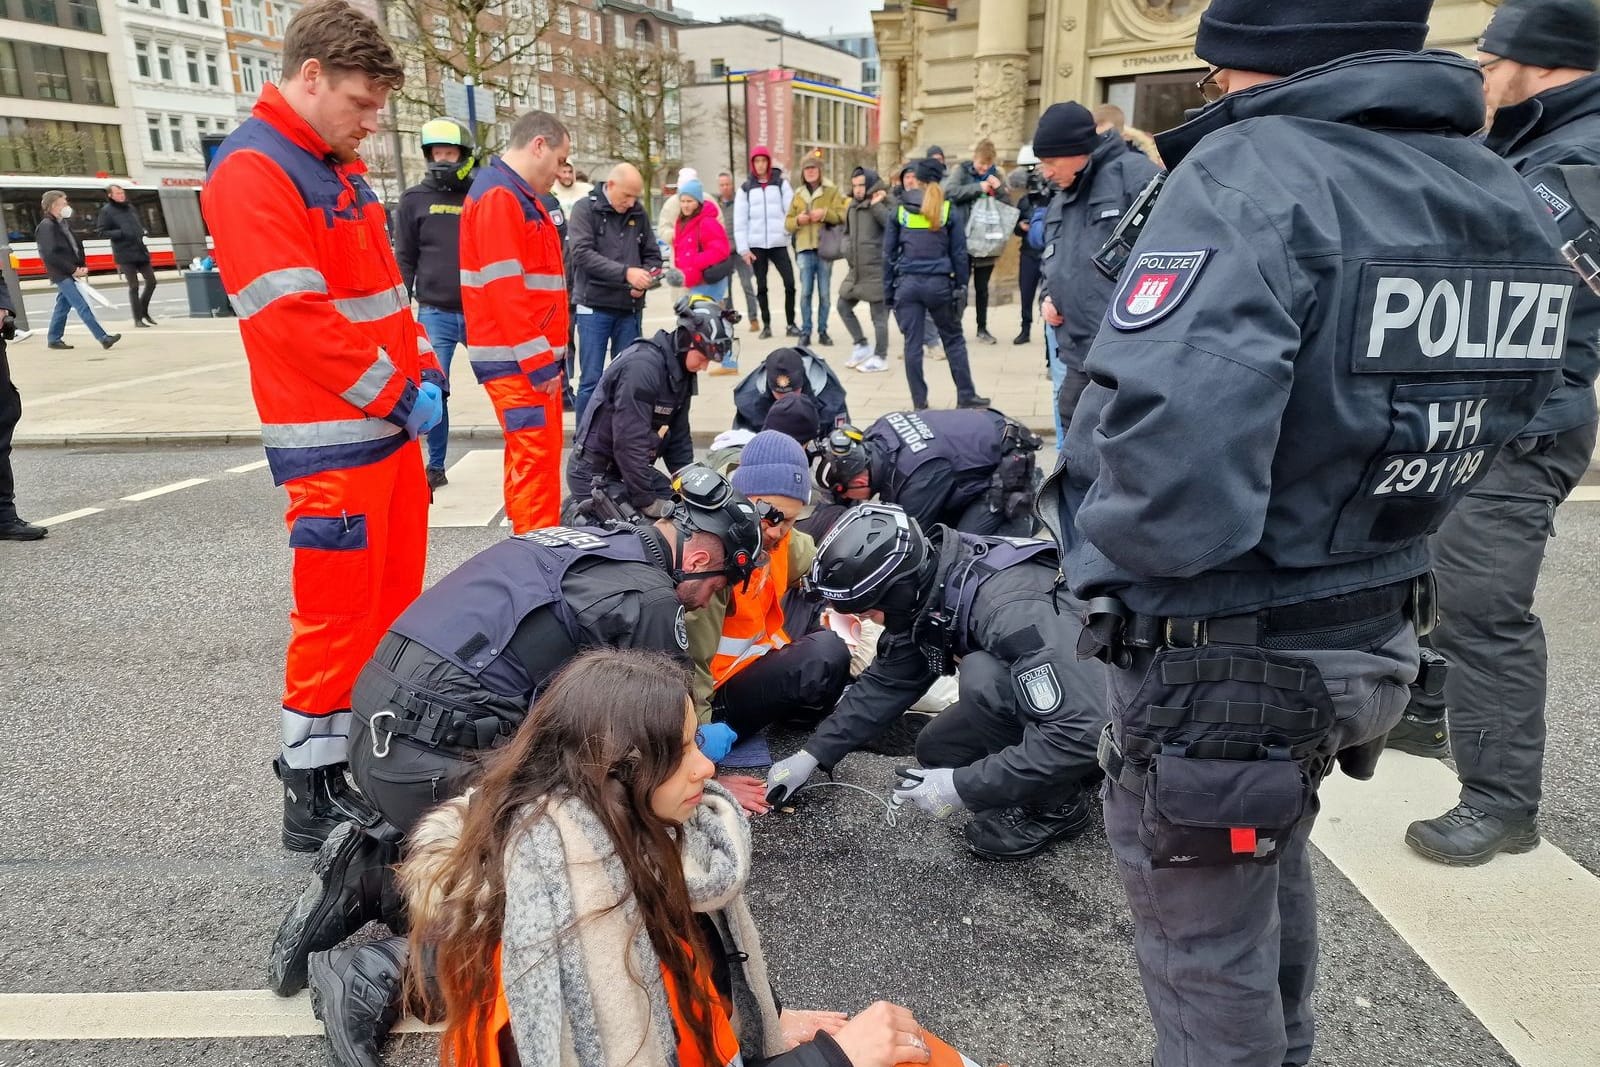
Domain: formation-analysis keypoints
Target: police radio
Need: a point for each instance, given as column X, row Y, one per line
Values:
column 1113, row 255
column 1583, row 251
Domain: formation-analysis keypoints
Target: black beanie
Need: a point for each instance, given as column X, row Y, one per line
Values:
column 928, row 171
column 1283, row 38
column 1545, row 33
column 795, row 415
column 1065, row 130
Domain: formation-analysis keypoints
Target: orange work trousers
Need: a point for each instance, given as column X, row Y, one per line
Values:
column 533, row 432
column 360, row 542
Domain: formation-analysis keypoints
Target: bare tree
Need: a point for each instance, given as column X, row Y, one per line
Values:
column 498, row 43
column 642, row 112
column 49, row 150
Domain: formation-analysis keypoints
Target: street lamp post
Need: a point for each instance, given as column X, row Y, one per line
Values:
column 779, row 39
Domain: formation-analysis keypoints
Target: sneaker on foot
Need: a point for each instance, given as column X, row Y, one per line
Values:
column 59, row 344
column 987, row 338
column 15, row 529
column 766, row 333
column 1428, row 738
column 874, row 365
column 1017, row 833
column 804, row 340
column 859, row 354
column 933, row 352
column 436, row 477
column 791, row 330
column 823, row 338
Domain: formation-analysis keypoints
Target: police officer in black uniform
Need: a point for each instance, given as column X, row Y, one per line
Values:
column 786, row 372
column 971, row 470
column 1018, row 747
column 640, row 413
column 1341, row 308
column 453, row 678
column 1538, row 59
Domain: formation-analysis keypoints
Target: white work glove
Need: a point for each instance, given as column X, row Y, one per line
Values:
column 787, row 776
column 933, row 789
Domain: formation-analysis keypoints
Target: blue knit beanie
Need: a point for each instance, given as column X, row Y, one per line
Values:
column 693, row 188
column 773, row 464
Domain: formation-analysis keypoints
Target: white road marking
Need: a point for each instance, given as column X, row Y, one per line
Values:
column 124, row 383
column 1516, row 939
column 68, row 516
column 475, row 495
column 163, row 490
column 246, row 468
column 1585, row 493
column 162, row 1016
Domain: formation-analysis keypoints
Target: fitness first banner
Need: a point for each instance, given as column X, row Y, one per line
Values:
column 769, row 111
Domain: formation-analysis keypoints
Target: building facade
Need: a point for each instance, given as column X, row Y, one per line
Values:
column 756, row 83
column 989, row 71
column 864, row 47
column 180, row 85
column 63, row 104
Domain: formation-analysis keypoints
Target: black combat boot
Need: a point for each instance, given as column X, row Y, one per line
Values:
column 348, row 889
column 1466, row 837
column 1420, row 736
column 315, row 800
column 358, row 991
column 1017, row 833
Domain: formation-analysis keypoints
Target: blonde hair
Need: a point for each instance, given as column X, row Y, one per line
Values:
column 983, row 152
column 932, row 205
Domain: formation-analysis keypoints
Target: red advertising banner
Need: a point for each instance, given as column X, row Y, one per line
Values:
column 769, row 114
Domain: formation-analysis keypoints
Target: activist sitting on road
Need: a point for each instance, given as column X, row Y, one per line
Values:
column 589, row 895
column 786, row 371
column 452, row 679
column 640, row 413
column 1018, row 746
column 971, row 470
column 750, row 670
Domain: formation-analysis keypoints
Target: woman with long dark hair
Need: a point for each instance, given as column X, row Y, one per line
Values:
column 584, row 906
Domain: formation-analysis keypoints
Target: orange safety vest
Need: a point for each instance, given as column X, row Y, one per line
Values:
column 754, row 623
column 489, row 1043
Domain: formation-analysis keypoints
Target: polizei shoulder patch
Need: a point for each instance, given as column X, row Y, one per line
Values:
column 1554, row 201
column 1153, row 285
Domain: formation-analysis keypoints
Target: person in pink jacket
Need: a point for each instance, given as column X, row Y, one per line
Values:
column 699, row 243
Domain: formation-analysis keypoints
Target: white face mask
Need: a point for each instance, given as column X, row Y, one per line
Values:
column 66, row 212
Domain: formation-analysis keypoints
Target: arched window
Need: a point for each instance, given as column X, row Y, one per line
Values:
column 642, row 33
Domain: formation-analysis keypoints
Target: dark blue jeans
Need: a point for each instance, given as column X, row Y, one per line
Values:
column 445, row 330
column 600, row 330
column 69, row 296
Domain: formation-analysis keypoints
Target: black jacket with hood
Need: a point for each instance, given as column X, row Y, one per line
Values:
column 120, row 223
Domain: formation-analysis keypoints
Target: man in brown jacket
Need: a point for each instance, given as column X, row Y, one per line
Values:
column 817, row 203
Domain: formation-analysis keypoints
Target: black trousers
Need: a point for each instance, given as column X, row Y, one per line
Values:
column 10, row 415
column 982, row 270
column 1028, row 279
column 137, row 301
column 803, row 680
column 779, row 259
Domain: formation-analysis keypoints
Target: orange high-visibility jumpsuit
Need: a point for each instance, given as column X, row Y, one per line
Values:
column 514, row 294
column 335, row 364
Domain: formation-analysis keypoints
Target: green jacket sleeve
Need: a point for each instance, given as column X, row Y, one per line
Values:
column 704, row 627
column 802, row 550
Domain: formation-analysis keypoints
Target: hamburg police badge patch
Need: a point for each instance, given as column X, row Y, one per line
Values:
column 1040, row 688
column 1153, row 285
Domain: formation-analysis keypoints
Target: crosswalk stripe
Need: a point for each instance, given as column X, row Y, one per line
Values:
column 1516, row 939
column 163, row 490
column 1583, row 493
column 246, row 468
column 163, row 1016
column 475, row 495
column 68, row 516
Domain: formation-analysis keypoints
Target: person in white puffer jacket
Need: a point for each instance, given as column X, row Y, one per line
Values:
column 759, row 234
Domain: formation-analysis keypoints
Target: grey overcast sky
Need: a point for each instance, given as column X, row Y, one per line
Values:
column 810, row 17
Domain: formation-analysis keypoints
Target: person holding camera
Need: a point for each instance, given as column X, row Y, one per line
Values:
column 12, row 527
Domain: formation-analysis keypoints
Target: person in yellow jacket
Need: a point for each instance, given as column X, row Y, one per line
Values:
column 749, row 671
column 817, row 203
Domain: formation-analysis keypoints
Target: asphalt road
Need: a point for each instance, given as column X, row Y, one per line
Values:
column 170, row 300
column 142, row 654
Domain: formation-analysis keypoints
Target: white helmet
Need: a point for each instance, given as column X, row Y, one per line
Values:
column 1025, row 156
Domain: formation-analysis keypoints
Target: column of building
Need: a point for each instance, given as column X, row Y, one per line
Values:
column 1000, row 84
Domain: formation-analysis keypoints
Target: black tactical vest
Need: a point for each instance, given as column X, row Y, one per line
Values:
column 471, row 614
column 969, row 440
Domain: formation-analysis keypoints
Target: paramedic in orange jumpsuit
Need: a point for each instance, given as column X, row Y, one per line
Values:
column 514, row 293
column 343, row 380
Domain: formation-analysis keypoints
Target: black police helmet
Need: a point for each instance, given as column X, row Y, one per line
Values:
column 707, row 503
column 840, row 456
column 874, row 557
column 706, row 325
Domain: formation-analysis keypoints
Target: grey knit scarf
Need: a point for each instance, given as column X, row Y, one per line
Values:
column 581, row 978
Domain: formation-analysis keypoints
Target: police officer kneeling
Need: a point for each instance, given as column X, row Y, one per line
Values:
column 640, row 412
column 1018, row 747
column 453, row 678
column 971, row 470
column 1340, row 309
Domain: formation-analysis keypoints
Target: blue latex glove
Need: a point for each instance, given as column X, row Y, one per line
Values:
column 715, row 740
column 427, row 411
column 933, row 789
column 787, row 776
